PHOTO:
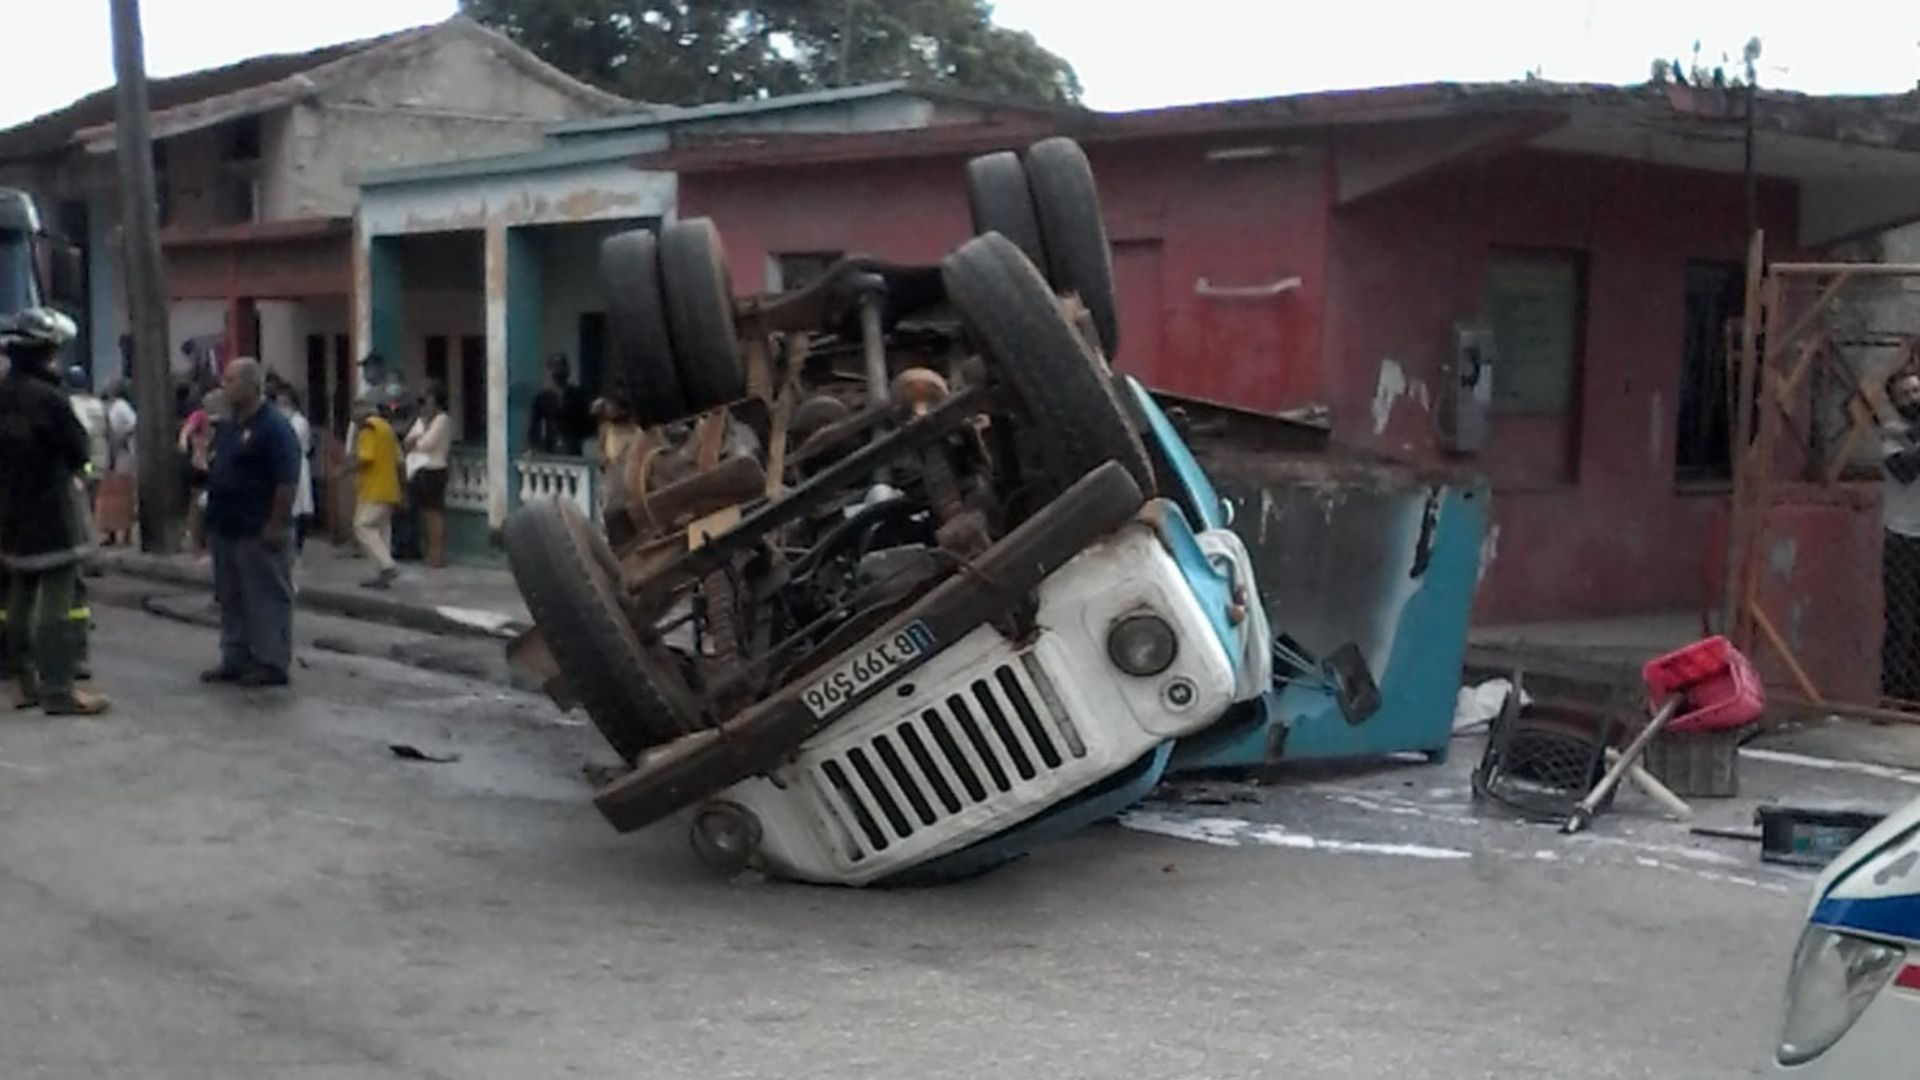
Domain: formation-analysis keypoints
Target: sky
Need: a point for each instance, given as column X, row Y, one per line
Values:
column 1142, row 53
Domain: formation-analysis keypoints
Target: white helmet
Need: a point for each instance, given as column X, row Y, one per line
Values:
column 36, row 328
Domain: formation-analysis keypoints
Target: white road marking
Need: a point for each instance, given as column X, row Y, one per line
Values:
column 1379, row 807
column 1711, row 875
column 1861, row 768
column 1233, row 832
column 1239, row 832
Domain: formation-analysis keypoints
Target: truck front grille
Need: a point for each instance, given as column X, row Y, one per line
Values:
column 986, row 739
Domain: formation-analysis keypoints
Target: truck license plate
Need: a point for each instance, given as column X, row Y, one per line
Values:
column 870, row 666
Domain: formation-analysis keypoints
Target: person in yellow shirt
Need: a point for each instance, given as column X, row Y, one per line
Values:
column 376, row 490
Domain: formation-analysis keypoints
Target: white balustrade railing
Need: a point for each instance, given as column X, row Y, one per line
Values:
column 467, row 480
column 569, row 478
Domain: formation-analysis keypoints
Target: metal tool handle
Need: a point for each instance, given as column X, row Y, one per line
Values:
column 1584, row 812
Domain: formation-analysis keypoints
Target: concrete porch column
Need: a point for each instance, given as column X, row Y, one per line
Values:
column 379, row 299
column 243, row 338
column 103, row 291
column 513, row 306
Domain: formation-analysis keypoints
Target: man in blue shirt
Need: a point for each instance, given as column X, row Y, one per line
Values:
column 251, row 474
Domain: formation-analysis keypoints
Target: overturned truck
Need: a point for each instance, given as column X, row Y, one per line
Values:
column 898, row 577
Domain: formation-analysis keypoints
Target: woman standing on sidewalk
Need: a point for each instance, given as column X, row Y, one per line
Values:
column 428, row 443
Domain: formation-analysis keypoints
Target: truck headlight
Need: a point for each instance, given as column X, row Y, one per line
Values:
column 1835, row 977
column 1142, row 645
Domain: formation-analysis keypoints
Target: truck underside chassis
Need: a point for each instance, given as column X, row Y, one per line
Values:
column 829, row 487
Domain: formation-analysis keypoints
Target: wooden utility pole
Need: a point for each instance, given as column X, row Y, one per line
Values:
column 160, row 494
column 1749, row 177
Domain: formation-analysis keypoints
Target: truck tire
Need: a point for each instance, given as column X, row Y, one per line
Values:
column 999, row 200
column 1064, row 386
column 1079, row 260
column 630, row 273
column 560, row 564
column 699, row 295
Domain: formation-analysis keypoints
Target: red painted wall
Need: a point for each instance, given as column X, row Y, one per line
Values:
column 1615, row 536
column 908, row 211
column 1173, row 216
column 1819, row 584
column 1382, row 279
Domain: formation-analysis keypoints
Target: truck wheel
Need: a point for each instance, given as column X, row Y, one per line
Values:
column 699, row 295
column 630, row 273
column 560, row 565
column 999, row 200
column 1079, row 261
column 1064, row 386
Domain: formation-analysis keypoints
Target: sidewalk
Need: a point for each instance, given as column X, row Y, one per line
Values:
column 469, row 600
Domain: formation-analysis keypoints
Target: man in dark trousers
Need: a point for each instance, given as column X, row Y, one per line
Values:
column 44, row 526
column 1900, row 551
column 251, row 475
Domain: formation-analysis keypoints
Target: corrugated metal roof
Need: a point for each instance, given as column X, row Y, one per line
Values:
column 561, row 156
column 1884, row 121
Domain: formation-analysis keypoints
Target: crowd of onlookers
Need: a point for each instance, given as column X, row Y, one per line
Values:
column 253, row 473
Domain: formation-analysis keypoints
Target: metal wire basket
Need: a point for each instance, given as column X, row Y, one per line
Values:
column 1542, row 762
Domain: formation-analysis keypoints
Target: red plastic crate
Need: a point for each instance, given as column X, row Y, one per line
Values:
column 1721, row 686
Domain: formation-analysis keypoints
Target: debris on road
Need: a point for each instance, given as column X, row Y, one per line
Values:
column 1751, row 836
column 1202, row 793
column 1716, row 687
column 413, row 753
column 1810, row 836
column 1478, row 705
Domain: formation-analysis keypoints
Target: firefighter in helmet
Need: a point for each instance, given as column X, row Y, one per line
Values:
column 44, row 527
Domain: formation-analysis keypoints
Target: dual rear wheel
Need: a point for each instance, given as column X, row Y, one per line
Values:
column 670, row 307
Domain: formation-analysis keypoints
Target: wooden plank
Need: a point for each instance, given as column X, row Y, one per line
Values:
column 798, row 345
column 760, row 381
column 1772, row 634
column 1820, row 305
column 1822, row 269
column 1802, row 363
column 1860, row 414
column 1838, row 464
column 711, row 433
column 777, row 439
column 1759, row 492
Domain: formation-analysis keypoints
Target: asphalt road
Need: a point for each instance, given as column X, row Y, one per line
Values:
column 219, row 884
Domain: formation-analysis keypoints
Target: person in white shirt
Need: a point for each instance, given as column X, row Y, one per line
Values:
column 287, row 400
column 428, row 443
column 92, row 414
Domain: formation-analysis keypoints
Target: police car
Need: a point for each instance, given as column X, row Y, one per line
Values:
column 1853, row 997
